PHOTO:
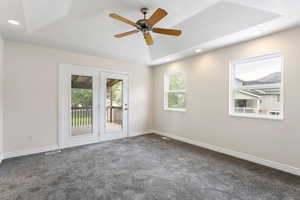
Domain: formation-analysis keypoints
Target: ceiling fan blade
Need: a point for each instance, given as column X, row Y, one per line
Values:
column 126, row 33
column 148, row 39
column 122, row 19
column 167, row 31
column 157, row 16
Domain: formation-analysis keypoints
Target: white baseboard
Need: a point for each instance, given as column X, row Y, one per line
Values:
column 29, row 152
column 248, row 157
column 244, row 156
column 52, row 148
column 139, row 134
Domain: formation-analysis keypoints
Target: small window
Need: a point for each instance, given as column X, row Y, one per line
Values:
column 175, row 91
column 256, row 87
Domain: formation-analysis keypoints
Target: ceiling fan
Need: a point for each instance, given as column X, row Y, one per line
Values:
column 146, row 25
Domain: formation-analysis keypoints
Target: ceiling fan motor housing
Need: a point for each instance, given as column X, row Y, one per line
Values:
column 143, row 25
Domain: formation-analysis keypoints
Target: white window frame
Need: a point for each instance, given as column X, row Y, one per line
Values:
column 167, row 91
column 232, row 89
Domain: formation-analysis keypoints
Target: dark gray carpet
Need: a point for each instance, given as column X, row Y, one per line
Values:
column 144, row 167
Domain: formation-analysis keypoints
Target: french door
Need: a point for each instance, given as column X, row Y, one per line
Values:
column 93, row 105
column 114, row 101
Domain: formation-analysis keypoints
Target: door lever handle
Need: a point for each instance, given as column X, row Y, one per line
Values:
column 126, row 107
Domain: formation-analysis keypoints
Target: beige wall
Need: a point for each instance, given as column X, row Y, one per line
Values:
column 31, row 94
column 206, row 119
column 1, row 96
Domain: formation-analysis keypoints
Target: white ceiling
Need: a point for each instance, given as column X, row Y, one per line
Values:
column 84, row 26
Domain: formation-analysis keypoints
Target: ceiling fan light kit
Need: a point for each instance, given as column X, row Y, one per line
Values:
column 146, row 26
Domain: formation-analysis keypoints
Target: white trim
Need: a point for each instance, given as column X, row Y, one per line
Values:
column 15, row 154
column 30, row 151
column 60, row 107
column 176, row 91
column 176, row 109
column 135, row 134
column 167, row 91
column 232, row 89
column 257, row 116
column 65, row 138
column 240, row 155
column 257, row 58
column 79, row 143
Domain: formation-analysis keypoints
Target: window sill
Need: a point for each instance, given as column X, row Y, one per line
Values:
column 255, row 116
column 175, row 109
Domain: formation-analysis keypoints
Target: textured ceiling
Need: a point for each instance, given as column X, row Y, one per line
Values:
column 84, row 26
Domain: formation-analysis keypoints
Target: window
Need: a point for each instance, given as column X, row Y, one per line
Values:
column 174, row 91
column 256, row 86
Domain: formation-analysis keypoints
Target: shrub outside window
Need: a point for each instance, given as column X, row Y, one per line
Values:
column 256, row 87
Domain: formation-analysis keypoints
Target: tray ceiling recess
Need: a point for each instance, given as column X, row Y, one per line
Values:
column 85, row 26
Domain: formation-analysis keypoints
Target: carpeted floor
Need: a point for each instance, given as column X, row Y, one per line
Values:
column 145, row 167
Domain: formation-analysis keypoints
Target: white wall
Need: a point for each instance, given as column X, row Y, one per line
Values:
column 31, row 94
column 206, row 119
column 1, row 96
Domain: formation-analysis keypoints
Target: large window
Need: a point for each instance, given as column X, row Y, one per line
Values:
column 256, row 87
column 175, row 91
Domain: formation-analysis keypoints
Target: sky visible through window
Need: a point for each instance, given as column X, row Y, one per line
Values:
column 258, row 69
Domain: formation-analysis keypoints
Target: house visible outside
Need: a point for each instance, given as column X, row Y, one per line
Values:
column 260, row 99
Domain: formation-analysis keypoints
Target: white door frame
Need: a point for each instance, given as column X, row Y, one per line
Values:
column 65, row 72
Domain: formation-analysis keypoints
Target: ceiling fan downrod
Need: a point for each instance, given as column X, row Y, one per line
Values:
column 143, row 24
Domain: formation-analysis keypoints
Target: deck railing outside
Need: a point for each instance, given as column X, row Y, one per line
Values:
column 245, row 110
column 83, row 116
column 114, row 114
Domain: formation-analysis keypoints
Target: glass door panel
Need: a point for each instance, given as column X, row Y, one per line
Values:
column 78, row 105
column 114, row 105
column 81, row 105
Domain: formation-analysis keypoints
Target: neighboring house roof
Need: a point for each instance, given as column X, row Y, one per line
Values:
column 269, row 79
